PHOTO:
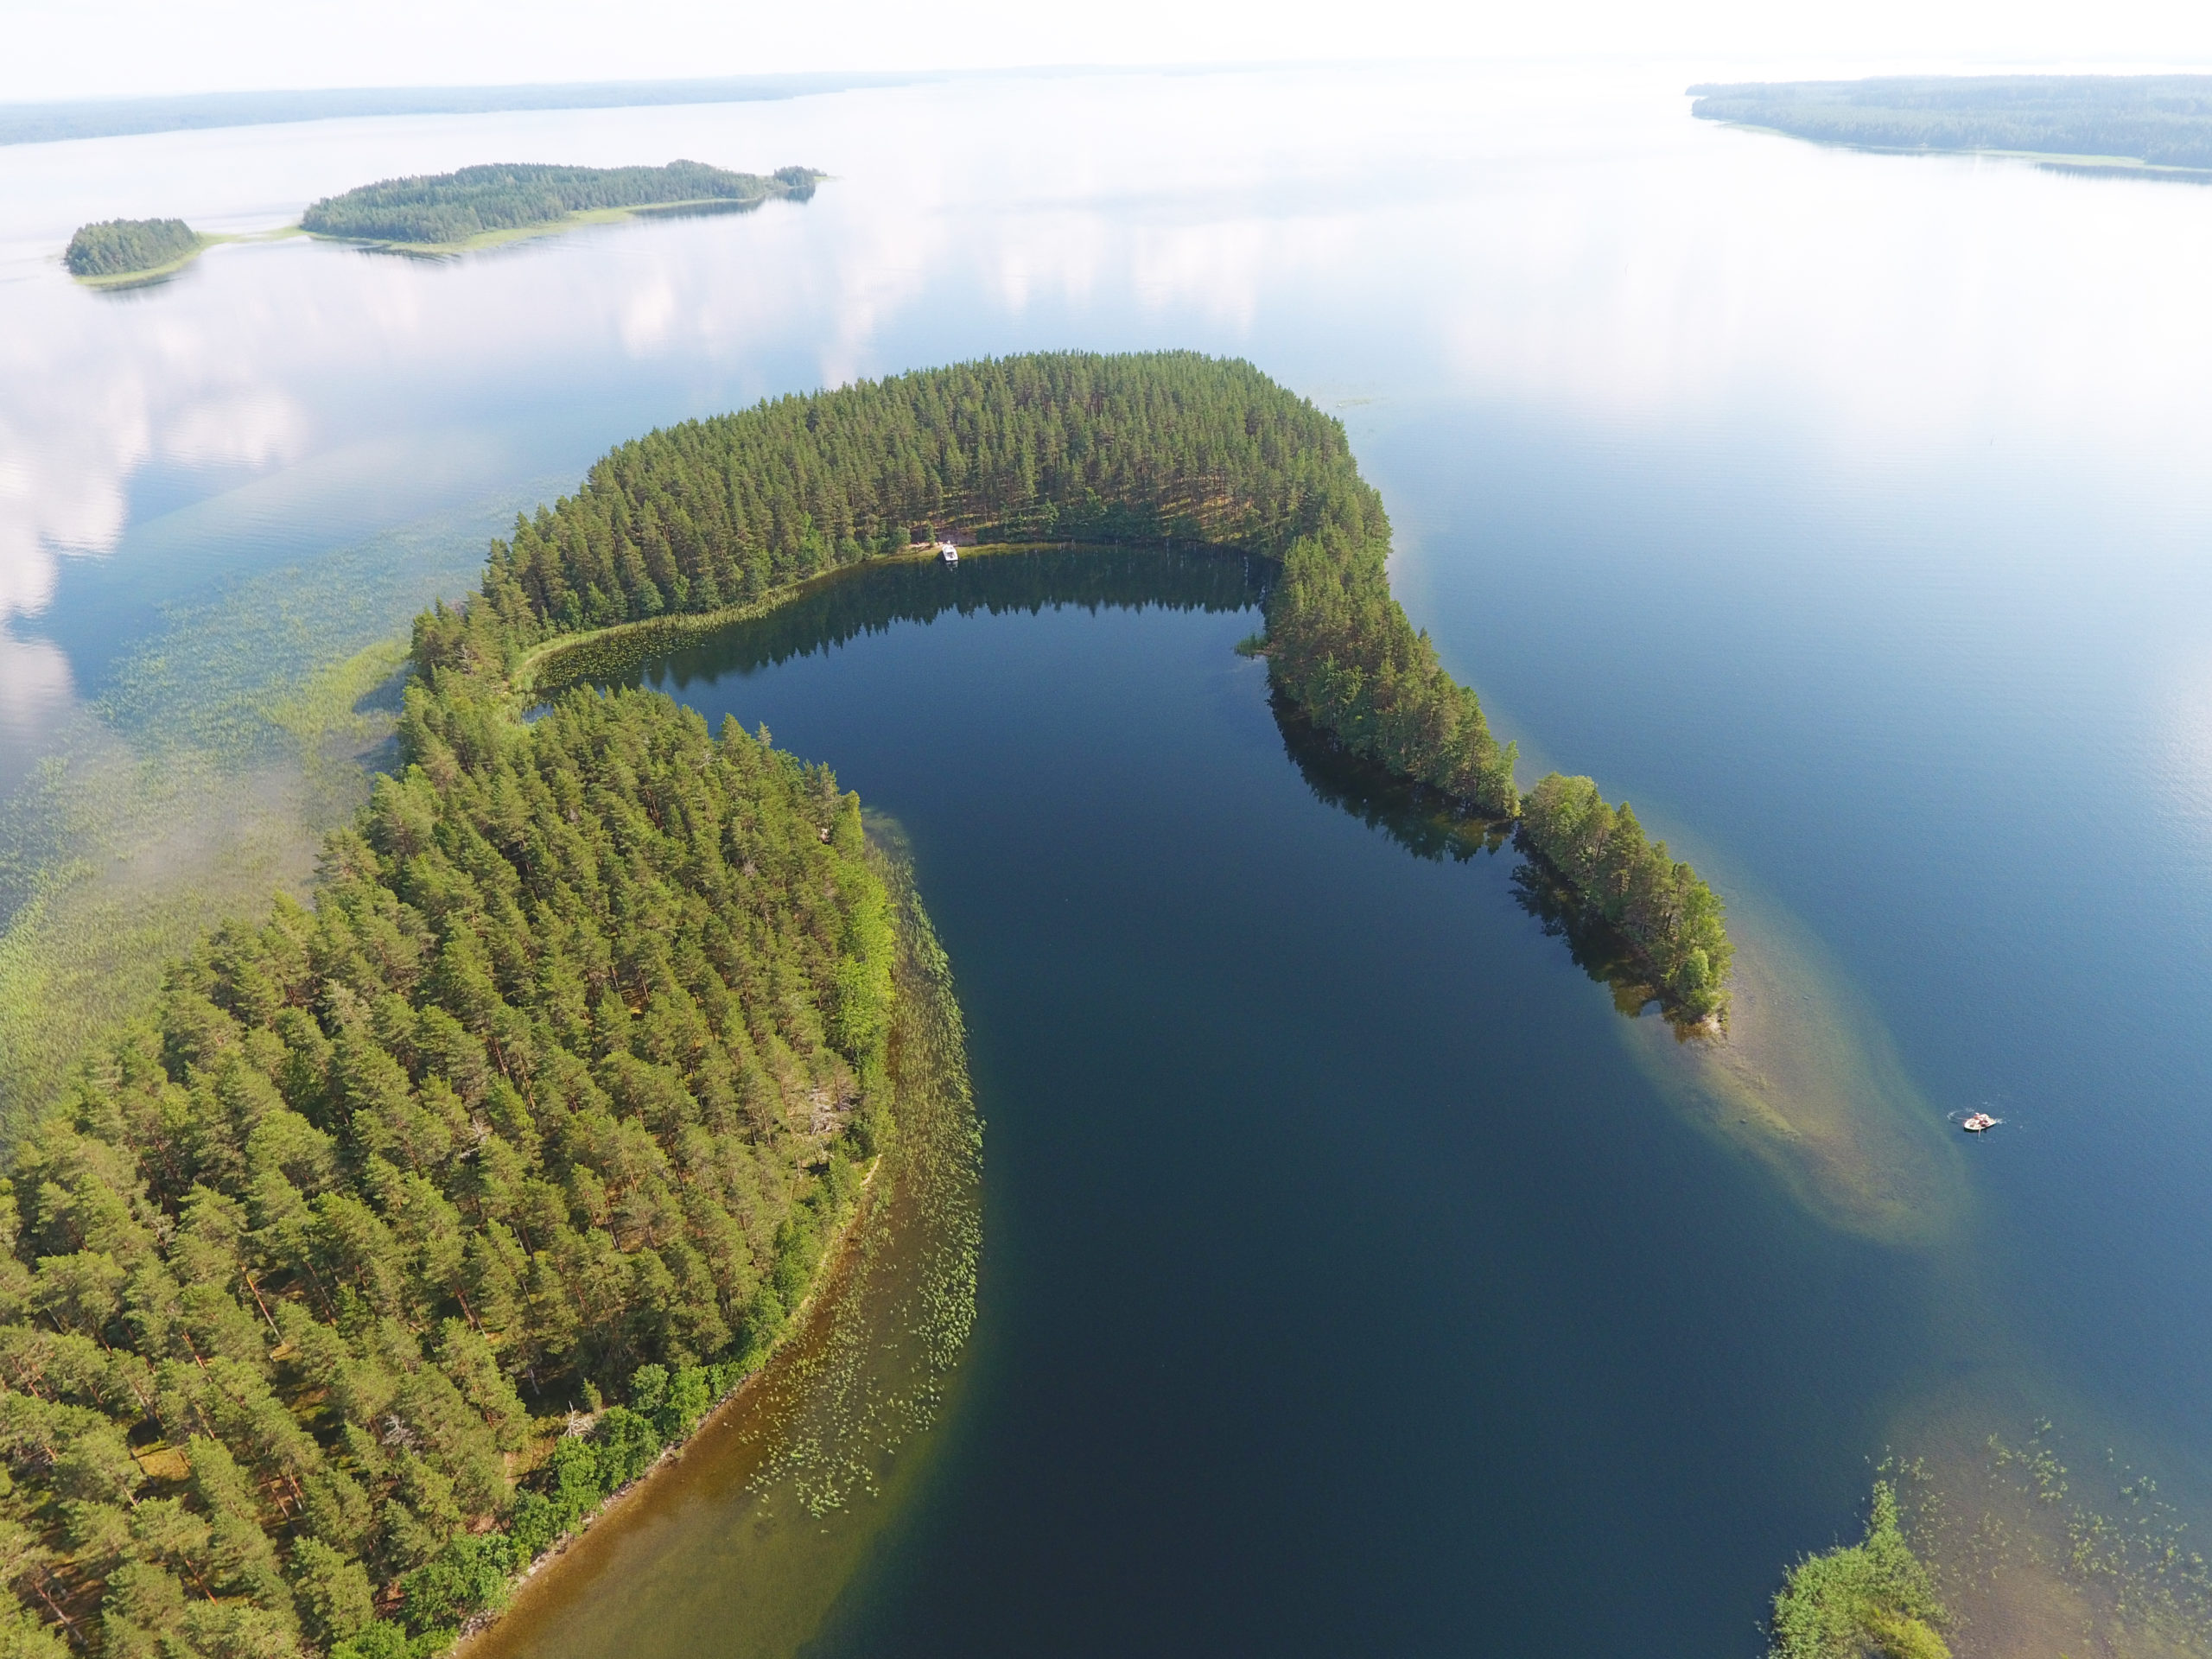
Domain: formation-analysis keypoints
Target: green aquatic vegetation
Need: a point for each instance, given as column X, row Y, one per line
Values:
column 199, row 781
column 1873, row 1598
column 2127, row 1545
column 876, row 1375
column 130, row 247
column 250, row 671
column 780, row 1499
column 115, row 864
column 2035, row 1548
column 452, row 207
column 372, row 1528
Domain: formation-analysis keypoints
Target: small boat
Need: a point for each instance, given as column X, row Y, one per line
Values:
column 1978, row 1122
column 948, row 552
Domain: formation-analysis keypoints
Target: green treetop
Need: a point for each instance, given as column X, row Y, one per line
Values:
column 119, row 247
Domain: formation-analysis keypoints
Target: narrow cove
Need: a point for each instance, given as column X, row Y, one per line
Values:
column 1096, row 691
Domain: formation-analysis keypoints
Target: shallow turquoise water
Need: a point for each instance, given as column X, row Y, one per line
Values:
column 1347, row 1282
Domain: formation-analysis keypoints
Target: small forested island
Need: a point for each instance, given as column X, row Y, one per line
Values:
column 477, row 203
column 320, row 1275
column 2150, row 124
column 115, row 250
column 1873, row 1597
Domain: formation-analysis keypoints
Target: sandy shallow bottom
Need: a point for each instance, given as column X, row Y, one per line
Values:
column 2043, row 1541
column 1807, row 1080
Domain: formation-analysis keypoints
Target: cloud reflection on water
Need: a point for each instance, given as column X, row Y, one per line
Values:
column 1568, row 239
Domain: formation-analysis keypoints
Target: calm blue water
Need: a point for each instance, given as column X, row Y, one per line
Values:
column 1345, row 1287
column 1347, row 1284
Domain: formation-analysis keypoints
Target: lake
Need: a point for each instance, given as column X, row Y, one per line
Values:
column 1354, row 1277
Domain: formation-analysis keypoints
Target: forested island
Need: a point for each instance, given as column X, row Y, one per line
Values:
column 114, row 249
column 441, row 213
column 322, row 1275
column 447, row 209
column 2153, row 124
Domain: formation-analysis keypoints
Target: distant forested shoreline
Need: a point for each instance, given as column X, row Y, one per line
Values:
column 104, row 118
column 434, row 212
column 2158, row 121
column 443, row 208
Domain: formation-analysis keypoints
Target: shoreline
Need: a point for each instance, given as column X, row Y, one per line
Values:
column 832, row 1268
column 1358, row 669
column 1623, row 961
column 1810, row 1084
column 545, row 670
column 1712, row 1028
column 830, row 1273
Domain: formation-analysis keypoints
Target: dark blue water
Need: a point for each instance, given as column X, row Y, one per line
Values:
column 1347, row 1288
column 1956, row 722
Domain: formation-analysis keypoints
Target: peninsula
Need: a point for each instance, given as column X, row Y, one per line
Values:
column 115, row 251
column 710, row 517
column 480, row 204
column 2153, row 125
column 319, row 1277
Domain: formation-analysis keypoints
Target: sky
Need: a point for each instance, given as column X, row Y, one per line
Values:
column 78, row 48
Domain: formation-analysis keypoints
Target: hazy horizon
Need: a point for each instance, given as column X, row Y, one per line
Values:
column 70, row 50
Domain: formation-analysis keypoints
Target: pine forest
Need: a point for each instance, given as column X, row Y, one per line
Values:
column 120, row 247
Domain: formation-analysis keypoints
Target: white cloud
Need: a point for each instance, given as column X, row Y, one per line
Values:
column 91, row 399
column 35, row 684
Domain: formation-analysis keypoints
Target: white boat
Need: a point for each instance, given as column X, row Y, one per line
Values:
column 1978, row 1122
column 948, row 552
